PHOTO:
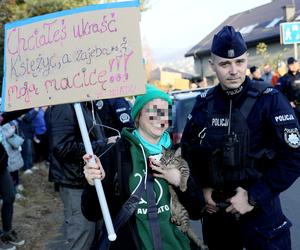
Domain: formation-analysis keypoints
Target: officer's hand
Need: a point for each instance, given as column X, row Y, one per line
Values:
column 171, row 175
column 239, row 202
column 93, row 171
column 211, row 206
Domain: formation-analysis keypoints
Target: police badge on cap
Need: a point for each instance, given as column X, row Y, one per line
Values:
column 228, row 43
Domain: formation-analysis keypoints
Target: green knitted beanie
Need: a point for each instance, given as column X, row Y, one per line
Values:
column 151, row 93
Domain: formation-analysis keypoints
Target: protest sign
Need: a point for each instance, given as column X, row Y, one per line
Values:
column 83, row 54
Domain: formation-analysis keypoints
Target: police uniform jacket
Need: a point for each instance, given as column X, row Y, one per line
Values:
column 115, row 113
column 289, row 84
column 271, row 145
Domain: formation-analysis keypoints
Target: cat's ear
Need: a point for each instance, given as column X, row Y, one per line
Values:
column 178, row 152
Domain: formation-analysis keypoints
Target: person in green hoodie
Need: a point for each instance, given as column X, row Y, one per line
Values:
column 128, row 166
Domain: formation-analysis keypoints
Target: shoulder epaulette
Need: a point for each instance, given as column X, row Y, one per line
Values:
column 205, row 95
column 260, row 87
column 256, row 89
column 270, row 91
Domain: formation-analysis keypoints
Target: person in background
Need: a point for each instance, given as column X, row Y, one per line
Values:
column 193, row 85
column 268, row 74
column 40, row 139
column 255, row 73
column 275, row 78
column 289, row 84
column 130, row 166
column 66, row 166
column 13, row 146
column 8, row 236
column 242, row 144
column 203, row 83
column 199, row 82
column 27, row 132
column 115, row 115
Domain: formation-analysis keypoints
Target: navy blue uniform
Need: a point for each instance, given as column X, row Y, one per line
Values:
column 289, row 84
column 115, row 113
column 268, row 162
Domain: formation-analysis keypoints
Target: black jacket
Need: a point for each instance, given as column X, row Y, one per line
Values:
column 118, row 167
column 26, row 125
column 3, row 158
column 66, row 147
column 289, row 84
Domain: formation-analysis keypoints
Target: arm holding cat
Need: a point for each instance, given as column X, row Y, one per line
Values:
column 192, row 198
column 171, row 175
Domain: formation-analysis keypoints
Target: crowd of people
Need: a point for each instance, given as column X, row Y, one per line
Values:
column 19, row 139
column 241, row 144
column 31, row 136
column 288, row 83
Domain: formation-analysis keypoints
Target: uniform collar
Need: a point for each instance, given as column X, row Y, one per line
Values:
column 234, row 93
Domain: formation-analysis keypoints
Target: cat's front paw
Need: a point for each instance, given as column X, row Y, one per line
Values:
column 175, row 221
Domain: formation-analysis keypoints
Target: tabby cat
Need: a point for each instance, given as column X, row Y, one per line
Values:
column 172, row 159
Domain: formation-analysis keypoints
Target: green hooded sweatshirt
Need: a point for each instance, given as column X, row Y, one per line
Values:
column 172, row 237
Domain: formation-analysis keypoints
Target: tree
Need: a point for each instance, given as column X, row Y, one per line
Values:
column 12, row 10
column 274, row 60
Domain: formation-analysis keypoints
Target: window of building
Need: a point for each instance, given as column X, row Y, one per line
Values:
column 274, row 22
column 248, row 29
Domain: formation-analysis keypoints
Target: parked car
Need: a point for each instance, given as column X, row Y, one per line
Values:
column 183, row 102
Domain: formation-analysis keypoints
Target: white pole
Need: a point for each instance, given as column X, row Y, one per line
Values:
column 296, row 51
column 101, row 196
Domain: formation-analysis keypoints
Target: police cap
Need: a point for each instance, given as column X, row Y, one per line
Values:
column 291, row 60
column 228, row 43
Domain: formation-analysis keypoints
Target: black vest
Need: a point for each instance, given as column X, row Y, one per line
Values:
column 226, row 141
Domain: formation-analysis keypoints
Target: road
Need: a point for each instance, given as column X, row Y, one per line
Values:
column 291, row 207
column 290, row 200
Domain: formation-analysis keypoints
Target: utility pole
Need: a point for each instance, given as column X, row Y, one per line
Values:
column 289, row 15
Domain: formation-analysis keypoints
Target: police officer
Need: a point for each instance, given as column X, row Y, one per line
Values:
column 289, row 84
column 242, row 144
column 115, row 115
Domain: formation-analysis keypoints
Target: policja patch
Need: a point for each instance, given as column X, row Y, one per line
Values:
column 292, row 137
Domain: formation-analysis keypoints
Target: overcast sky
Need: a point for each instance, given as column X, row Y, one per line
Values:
column 183, row 23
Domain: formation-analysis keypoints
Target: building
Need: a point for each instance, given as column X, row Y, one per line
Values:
column 261, row 24
column 169, row 78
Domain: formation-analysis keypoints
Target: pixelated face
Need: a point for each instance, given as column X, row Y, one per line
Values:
column 154, row 118
column 230, row 72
